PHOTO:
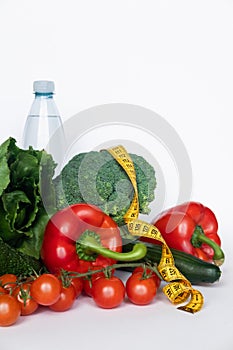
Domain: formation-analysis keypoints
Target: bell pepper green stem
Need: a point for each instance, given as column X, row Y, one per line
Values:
column 199, row 237
column 88, row 246
column 138, row 252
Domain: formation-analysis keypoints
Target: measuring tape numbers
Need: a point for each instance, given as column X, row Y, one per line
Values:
column 123, row 158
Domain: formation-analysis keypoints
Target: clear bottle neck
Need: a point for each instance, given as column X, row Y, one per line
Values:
column 44, row 105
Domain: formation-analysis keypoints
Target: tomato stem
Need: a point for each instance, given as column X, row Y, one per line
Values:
column 114, row 267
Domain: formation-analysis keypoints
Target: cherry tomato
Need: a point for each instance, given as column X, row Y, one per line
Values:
column 108, row 292
column 140, row 291
column 88, row 282
column 27, row 303
column 46, row 289
column 149, row 273
column 9, row 310
column 8, row 281
column 77, row 284
column 71, row 278
column 66, row 299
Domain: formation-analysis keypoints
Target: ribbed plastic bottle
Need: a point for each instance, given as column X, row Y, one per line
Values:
column 43, row 128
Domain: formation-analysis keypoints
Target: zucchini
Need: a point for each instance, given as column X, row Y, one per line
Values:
column 194, row 269
column 15, row 262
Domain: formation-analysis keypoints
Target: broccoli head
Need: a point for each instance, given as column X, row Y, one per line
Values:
column 97, row 178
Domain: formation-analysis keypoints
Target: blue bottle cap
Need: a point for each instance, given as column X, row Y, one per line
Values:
column 43, row 86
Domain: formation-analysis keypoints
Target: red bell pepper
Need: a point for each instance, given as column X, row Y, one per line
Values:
column 80, row 237
column 192, row 228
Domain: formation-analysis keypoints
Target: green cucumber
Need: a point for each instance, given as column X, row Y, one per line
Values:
column 194, row 269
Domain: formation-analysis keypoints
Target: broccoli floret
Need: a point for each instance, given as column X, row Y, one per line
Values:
column 13, row 261
column 97, row 178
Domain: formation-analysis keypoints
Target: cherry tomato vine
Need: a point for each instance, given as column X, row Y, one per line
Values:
column 23, row 296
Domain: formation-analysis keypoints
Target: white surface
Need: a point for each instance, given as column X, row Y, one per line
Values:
column 173, row 57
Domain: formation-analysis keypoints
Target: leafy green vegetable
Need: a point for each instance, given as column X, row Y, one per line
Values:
column 27, row 197
column 97, row 178
column 13, row 261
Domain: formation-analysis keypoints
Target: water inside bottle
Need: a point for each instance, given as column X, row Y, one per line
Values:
column 44, row 130
column 48, row 134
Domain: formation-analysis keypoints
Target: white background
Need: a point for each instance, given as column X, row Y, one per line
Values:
column 173, row 57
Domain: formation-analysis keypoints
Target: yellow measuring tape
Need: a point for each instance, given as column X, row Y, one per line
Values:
column 123, row 158
column 178, row 289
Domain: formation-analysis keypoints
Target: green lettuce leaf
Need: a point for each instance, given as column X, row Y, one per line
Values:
column 32, row 245
column 15, row 205
column 27, row 196
column 4, row 169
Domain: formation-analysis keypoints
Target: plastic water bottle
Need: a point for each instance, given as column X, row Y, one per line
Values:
column 43, row 128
